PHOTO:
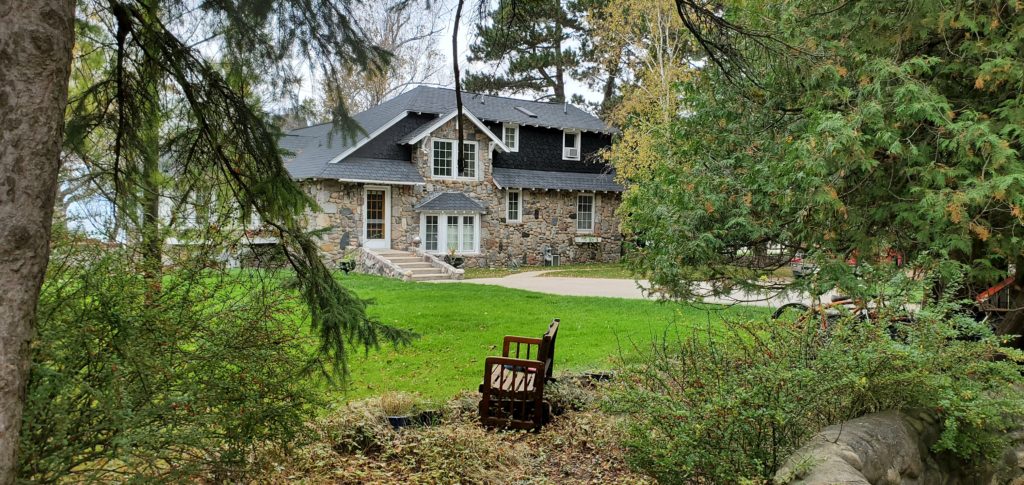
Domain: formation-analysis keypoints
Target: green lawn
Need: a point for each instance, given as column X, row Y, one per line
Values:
column 461, row 324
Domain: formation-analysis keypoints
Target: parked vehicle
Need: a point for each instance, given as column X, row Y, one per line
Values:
column 801, row 267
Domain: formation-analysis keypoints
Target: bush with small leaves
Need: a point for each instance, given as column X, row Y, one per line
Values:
column 731, row 406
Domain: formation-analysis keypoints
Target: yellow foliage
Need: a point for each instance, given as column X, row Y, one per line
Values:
column 956, row 212
column 981, row 231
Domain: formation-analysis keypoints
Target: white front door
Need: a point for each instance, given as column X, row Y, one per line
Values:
column 377, row 220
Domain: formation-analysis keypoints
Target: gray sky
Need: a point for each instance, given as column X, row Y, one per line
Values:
column 445, row 10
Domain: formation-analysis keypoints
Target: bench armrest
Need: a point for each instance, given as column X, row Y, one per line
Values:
column 528, row 363
column 530, row 342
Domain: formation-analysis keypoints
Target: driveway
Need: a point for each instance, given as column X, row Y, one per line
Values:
column 618, row 288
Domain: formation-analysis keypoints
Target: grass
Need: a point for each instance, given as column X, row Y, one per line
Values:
column 462, row 324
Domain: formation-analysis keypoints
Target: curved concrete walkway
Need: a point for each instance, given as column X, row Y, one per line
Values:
column 557, row 285
column 620, row 288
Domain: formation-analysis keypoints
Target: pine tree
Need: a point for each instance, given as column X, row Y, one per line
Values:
column 220, row 135
column 530, row 40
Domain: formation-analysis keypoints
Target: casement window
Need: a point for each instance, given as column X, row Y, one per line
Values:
column 442, row 163
column 585, row 213
column 441, row 158
column 570, row 145
column 459, row 233
column 510, row 136
column 513, row 206
column 467, row 166
column 431, row 233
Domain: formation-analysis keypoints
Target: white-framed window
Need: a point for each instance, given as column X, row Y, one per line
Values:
column 585, row 213
column 443, row 233
column 441, row 158
column 513, row 206
column 570, row 145
column 467, row 166
column 443, row 164
column 510, row 136
column 431, row 233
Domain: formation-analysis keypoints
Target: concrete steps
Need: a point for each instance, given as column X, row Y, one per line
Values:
column 410, row 262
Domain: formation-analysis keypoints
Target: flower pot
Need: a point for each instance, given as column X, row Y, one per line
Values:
column 400, row 421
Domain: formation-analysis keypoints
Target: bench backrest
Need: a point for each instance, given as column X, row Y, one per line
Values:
column 546, row 352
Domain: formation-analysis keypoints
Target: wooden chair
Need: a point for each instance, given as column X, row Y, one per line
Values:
column 513, row 386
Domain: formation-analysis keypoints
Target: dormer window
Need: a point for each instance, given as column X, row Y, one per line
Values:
column 570, row 145
column 510, row 136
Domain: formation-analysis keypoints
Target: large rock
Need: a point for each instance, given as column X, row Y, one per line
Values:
column 890, row 447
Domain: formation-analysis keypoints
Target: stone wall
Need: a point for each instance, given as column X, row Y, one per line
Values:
column 548, row 217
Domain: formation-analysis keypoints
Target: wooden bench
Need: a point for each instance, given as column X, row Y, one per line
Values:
column 513, row 386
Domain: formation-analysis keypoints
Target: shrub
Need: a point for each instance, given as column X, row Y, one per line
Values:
column 730, row 407
column 168, row 384
column 398, row 403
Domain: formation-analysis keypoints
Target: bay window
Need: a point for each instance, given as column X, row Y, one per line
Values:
column 459, row 232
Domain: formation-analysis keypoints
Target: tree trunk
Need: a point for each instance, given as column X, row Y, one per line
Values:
column 458, row 84
column 559, row 65
column 36, row 37
column 149, row 135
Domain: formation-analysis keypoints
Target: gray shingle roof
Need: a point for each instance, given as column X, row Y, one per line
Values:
column 373, row 170
column 405, row 140
column 450, row 202
column 511, row 178
column 498, row 108
column 313, row 147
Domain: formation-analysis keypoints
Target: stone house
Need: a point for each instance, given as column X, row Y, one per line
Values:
column 529, row 183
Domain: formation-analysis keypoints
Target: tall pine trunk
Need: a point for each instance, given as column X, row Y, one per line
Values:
column 149, row 136
column 36, row 37
column 458, row 84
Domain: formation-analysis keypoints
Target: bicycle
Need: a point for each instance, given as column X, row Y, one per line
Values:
column 825, row 315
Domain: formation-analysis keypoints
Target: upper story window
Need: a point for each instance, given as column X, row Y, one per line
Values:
column 442, row 163
column 441, row 158
column 513, row 206
column 585, row 213
column 510, row 136
column 570, row 145
column 467, row 166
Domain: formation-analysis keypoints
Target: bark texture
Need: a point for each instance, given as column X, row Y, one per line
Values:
column 36, row 37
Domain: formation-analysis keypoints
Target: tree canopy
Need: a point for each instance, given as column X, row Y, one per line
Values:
column 843, row 129
column 176, row 120
column 530, row 41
